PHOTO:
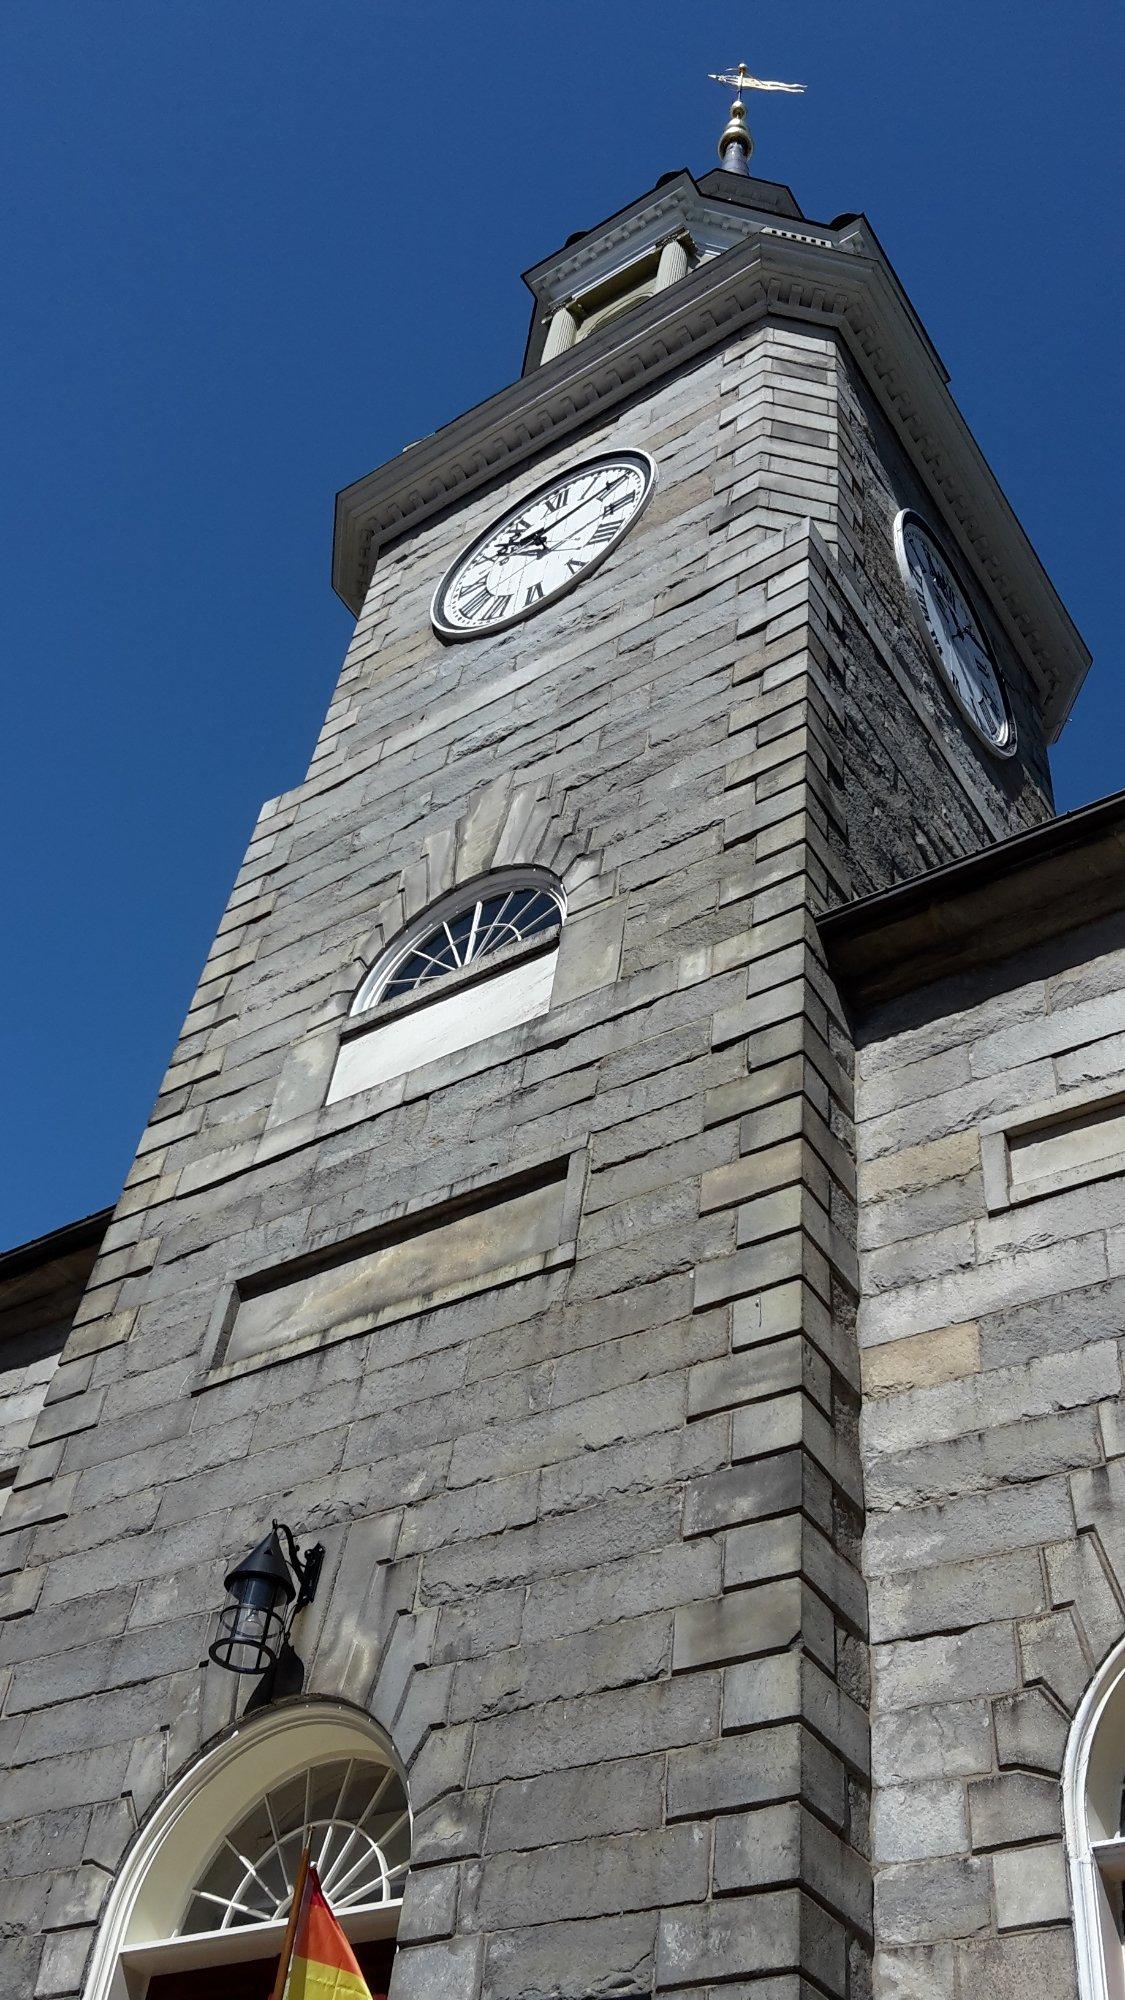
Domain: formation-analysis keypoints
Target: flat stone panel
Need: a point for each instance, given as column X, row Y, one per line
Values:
column 423, row 1267
column 924, row 1902
column 475, row 1012
column 746, row 1935
column 1009, row 1968
column 590, row 1878
column 589, row 952
column 583, row 1960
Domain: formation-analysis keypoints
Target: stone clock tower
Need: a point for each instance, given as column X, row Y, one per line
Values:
column 496, row 1225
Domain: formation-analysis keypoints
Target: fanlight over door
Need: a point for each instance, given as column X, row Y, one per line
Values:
column 199, row 1907
column 357, row 1823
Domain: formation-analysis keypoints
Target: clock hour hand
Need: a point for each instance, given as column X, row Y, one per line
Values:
column 535, row 538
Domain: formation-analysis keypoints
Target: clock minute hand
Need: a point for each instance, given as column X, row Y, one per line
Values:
column 966, row 632
column 587, row 500
column 537, row 537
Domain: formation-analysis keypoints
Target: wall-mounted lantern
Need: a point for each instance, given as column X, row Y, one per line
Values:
column 254, row 1624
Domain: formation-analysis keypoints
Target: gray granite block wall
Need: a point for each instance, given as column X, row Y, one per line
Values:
column 991, row 1350
column 593, row 1536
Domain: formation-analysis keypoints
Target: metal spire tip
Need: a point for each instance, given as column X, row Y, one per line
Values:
column 736, row 144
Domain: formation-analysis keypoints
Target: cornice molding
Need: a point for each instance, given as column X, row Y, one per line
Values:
column 839, row 280
column 676, row 209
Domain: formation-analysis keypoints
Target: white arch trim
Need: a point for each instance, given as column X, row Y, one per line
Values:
column 173, row 1848
column 493, row 882
column 1093, row 1771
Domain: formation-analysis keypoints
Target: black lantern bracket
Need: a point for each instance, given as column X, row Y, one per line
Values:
column 306, row 1568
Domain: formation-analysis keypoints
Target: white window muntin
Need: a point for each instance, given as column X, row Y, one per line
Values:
column 354, row 1816
column 461, row 931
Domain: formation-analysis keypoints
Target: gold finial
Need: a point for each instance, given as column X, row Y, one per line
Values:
column 736, row 145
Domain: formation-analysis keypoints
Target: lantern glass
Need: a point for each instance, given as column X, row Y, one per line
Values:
column 251, row 1626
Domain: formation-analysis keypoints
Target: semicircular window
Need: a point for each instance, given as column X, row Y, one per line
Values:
column 356, row 1820
column 477, row 963
column 488, row 924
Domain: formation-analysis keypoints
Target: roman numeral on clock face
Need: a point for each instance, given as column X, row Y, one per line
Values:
column 482, row 605
column 954, row 636
column 471, row 601
column 547, row 542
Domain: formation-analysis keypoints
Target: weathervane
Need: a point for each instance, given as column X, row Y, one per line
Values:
column 736, row 145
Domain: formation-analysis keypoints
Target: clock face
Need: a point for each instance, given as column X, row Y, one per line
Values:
column 544, row 546
column 954, row 635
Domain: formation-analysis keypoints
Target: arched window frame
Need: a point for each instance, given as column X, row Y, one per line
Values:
column 173, row 1849
column 371, row 993
column 386, row 1036
column 1093, row 1778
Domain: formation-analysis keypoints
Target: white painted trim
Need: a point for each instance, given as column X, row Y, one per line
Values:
column 1101, row 1964
column 474, row 1011
column 678, row 208
column 176, row 1842
column 198, row 1949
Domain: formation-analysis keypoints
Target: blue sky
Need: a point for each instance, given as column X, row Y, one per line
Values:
column 251, row 251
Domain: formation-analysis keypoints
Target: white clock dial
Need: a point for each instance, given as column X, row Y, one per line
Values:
column 954, row 634
column 542, row 548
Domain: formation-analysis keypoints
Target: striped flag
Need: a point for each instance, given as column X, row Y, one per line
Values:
column 322, row 1964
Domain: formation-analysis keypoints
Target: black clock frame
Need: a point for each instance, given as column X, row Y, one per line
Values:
column 909, row 517
column 625, row 456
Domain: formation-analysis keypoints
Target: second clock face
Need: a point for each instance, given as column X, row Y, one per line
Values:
column 543, row 547
column 954, row 634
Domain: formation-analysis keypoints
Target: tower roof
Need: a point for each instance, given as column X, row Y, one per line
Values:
column 767, row 260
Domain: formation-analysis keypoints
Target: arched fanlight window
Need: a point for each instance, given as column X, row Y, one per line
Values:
column 478, row 962
column 209, row 1882
column 1093, row 1807
column 354, row 1816
column 508, row 908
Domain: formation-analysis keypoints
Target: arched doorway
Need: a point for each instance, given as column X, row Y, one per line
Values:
column 199, row 1907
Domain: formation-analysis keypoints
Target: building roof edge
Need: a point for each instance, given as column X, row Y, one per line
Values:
column 81, row 1234
column 982, row 908
column 838, row 281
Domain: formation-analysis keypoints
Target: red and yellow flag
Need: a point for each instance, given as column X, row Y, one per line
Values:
column 323, row 1965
